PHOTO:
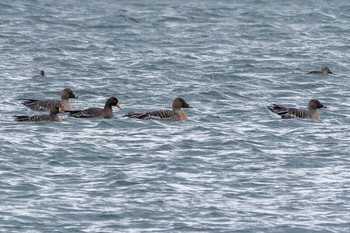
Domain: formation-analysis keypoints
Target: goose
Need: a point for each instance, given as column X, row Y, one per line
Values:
column 46, row 104
column 324, row 70
column 176, row 114
column 105, row 112
column 288, row 113
column 51, row 117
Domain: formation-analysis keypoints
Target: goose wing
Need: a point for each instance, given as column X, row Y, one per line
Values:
column 41, row 105
column 87, row 113
column 34, row 118
column 279, row 110
column 299, row 113
column 156, row 115
column 288, row 113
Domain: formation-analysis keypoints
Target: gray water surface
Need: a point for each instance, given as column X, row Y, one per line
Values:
column 232, row 167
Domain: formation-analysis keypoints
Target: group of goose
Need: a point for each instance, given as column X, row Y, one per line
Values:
column 57, row 106
column 176, row 114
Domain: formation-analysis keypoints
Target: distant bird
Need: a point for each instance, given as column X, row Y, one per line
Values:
column 105, row 112
column 176, row 114
column 46, row 104
column 52, row 117
column 288, row 113
column 324, row 70
column 40, row 75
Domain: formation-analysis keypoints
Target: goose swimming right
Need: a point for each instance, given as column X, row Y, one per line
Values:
column 176, row 114
column 40, row 75
column 105, row 112
column 51, row 117
column 288, row 113
column 324, row 70
column 46, row 104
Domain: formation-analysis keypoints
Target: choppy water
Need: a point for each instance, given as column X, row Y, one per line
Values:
column 233, row 167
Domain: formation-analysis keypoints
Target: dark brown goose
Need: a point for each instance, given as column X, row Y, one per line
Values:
column 105, row 112
column 51, row 117
column 172, row 115
column 288, row 113
column 324, row 70
column 45, row 105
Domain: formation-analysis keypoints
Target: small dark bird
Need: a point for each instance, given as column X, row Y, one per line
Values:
column 40, row 75
column 324, row 70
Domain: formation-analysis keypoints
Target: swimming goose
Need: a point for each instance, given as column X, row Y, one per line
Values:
column 105, row 112
column 288, row 113
column 323, row 70
column 173, row 115
column 52, row 117
column 44, row 105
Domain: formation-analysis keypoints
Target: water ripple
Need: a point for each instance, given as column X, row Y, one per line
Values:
column 233, row 167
